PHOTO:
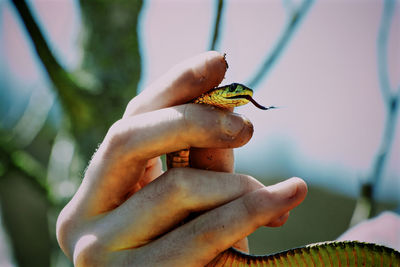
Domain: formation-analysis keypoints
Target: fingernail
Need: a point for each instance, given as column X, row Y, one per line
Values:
column 234, row 123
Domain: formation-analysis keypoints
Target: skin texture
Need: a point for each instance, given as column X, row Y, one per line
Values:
column 128, row 212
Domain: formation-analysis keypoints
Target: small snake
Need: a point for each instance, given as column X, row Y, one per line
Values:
column 334, row 253
column 228, row 96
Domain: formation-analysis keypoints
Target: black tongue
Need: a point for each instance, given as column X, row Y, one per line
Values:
column 256, row 104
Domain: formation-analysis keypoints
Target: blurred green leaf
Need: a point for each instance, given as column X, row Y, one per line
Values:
column 25, row 216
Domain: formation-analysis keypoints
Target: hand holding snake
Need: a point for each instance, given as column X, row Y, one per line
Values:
column 128, row 212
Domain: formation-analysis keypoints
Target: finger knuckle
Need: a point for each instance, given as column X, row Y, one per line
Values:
column 130, row 107
column 177, row 183
column 191, row 116
column 204, row 121
column 116, row 139
column 114, row 136
column 63, row 232
column 89, row 252
column 248, row 183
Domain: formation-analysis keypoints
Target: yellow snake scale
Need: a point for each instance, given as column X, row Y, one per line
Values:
column 335, row 253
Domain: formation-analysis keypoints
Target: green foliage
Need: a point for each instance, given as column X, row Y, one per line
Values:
column 112, row 65
column 25, row 211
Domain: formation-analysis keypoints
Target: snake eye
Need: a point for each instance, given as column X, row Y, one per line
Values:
column 232, row 87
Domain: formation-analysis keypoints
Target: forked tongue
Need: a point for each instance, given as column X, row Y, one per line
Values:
column 256, row 104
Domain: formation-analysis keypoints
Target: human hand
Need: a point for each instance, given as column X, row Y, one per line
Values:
column 128, row 212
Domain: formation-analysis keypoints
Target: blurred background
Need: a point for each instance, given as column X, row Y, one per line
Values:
column 68, row 68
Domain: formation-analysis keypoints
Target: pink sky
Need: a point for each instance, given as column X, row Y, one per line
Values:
column 333, row 115
column 326, row 80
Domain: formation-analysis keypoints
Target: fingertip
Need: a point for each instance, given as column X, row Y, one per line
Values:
column 275, row 201
column 208, row 127
column 216, row 67
column 290, row 189
column 302, row 188
column 238, row 127
column 294, row 190
column 181, row 84
column 221, row 58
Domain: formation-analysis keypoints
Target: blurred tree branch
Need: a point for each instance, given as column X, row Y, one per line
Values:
column 366, row 204
column 92, row 98
column 382, row 41
column 70, row 94
column 217, row 23
column 14, row 159
column 111, row 59
column 111, row 46
column 293, row 21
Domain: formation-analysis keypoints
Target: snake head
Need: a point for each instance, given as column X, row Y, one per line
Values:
column 233, row 95
column 236, row 94
column 228, row 96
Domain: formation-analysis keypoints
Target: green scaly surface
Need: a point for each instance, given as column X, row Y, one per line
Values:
column 344, row 254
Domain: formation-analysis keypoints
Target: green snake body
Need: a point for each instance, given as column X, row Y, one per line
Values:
column 335, row 253
column 348, row 253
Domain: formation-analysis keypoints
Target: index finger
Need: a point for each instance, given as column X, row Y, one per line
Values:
column 181, row 84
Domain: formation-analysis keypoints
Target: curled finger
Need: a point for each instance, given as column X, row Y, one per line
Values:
column 199, row 241
column 165, row 203
column 181, row 84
